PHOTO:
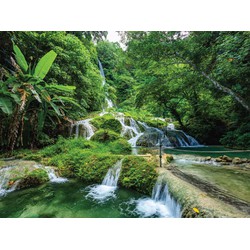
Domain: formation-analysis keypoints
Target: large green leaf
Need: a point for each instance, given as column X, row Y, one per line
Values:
column 68, row 100
column 61, row 88
column 44, row 64
column 6, row 105
column 21, row 61
column 55, row 107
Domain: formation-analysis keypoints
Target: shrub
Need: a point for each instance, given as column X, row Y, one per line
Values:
column 65, row 145
column 120, row 146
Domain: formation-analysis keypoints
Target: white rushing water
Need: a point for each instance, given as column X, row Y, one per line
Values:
column 106, row 190
column 53, row 177
column 161, row 204
column 108, row 101
column 131, row 131
column 83, row 128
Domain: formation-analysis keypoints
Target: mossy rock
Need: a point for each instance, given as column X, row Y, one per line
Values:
column 104, row 135
column 96, row 167
column 112, row 124
column 33, row 178
column 107, row 122
column 138, row 174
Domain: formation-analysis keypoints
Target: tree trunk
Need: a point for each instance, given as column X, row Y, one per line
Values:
column 177, row 116
column 14, row 129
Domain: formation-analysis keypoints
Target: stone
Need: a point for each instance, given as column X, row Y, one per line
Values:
column 208, row 158
column 226, row 158
column 237, row 160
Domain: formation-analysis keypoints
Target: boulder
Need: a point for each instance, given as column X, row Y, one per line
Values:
column 225, row 158
column 237, row 160
column 208, row 158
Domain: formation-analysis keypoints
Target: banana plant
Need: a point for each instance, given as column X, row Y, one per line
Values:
column 27, row 86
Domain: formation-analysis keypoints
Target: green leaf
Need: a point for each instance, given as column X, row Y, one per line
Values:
column 44, row 94
column 62, row 88
column 69, row 100
column 54, row 106
column 21, row 61
column 6, row 105
column 44, row 64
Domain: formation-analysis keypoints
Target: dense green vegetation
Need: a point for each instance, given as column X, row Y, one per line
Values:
column 90, row 161
column 198, row 80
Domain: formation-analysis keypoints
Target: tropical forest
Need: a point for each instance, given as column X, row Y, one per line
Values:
column 156, row 125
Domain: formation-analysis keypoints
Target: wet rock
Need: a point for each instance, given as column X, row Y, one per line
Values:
column 208, row 158
column 226, row 158
column 218, row 159
column 237, row 160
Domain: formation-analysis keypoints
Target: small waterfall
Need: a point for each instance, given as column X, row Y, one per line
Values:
column 112, row 175
column 5, row 174
column 162, row 204
column 131, row 131
column 53, row 177
column 83, row 128
column 107, row 189
column 171, row 126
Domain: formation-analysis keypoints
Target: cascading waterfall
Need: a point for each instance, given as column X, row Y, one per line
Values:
column 161, row 204
column 168, row 136
column 107, row 100
column 132, row 131
column 53, row 177
column 106, row 190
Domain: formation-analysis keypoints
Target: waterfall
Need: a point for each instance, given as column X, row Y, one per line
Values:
column 161, row 203
column 169, row 136
column 53, row 177
column 5, row 174
column 112, row 175
column 171, row 126
column 132, row 131
column 106, row 190
column 83, row 128
column 107, row 100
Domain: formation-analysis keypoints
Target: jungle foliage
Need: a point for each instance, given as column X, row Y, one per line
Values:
column 197, row 80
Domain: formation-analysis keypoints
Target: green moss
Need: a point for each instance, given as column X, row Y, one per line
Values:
column 112, row 124
column 138, row 174
column 107, row 122
column 105, row 136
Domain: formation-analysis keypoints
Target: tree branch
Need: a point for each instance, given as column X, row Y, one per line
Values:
column 217, row 85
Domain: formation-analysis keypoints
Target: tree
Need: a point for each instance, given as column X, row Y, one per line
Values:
column 25, row 91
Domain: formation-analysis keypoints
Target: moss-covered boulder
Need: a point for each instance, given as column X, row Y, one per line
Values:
column 33, row 178
column 104, row 135
column 96, row 167
column 139, row 174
